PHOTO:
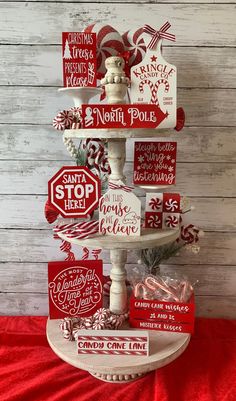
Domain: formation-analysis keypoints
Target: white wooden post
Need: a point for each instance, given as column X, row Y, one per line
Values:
column 118, row 291
column 116, row 158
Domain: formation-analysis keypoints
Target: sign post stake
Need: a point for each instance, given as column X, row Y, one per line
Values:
column 116, row 158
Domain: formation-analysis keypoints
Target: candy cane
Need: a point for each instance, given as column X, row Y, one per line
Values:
column 66, row 247
column 154, row 284
column 152, row 89
column 85, row 253
column 156, row 87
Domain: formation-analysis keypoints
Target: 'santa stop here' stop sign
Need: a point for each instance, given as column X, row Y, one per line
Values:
column 74, row 191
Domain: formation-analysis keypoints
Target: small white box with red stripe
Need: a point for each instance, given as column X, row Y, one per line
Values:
column 113, row 342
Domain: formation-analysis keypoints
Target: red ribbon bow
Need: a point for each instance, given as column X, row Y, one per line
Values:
column 158, row 34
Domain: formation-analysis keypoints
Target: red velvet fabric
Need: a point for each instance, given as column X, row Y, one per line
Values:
column 29, row 370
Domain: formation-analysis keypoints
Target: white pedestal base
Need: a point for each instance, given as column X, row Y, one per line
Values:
column 165, row 347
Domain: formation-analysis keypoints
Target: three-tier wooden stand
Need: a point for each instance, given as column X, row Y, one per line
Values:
column 164, row 346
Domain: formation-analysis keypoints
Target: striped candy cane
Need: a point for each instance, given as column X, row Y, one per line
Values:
column 157, row 84
column 152, row 89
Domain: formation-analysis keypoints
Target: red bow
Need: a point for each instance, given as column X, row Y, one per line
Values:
column 158, row 34
column 50, row 212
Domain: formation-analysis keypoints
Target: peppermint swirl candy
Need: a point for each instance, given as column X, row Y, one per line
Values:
column 102, row 313
column 171, row 221
column 155, row 203
column 63, row 120
column 154, row 221
column 134, row 43
column 171, row 205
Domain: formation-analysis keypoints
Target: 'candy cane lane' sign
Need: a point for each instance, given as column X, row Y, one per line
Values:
column 113, row 342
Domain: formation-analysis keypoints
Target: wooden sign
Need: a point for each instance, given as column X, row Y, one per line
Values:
column 162, row 210
column 164, row 316
column 113, row 342
column 119, row 212
column 153, row 81
column 74, row 288
column 79, row 59
column 121, row 116
column 74, row 191
column 154, row 163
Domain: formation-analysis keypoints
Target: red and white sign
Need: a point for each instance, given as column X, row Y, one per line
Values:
column 79, row 59
column 119, row 212
column 113, row 342
column 74, row 288
column 153, row 81
column 154, row 163
column 74, row 191
column 121, row 116
column 164, row 316
column 162, row 210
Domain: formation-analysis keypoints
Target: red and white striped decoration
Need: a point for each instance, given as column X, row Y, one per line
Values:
column 63, row 120
column 135, row 45
column 156, row 35
column 109, row 43
column 78, row 230
column 66, row 247
column 171, row 221
column 152, row 88
column 109, row 343
column 126, row 188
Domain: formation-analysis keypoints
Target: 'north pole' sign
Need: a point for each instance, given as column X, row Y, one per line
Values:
column 74, row 191
column 121, row 116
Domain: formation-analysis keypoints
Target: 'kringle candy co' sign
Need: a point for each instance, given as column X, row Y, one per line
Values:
column 154, row 163
column 74, row 191
column 74, row 288
column 154, row 81
column 121, row 116
column 79, row 59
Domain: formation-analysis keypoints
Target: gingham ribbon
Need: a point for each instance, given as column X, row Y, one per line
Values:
column 125, row 188
column 158, row 34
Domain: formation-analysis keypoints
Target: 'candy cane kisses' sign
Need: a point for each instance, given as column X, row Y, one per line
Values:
column 154, row 163
column 154, row 81
column 113, row 342
column 74, row 288
column 74, row 191
column 121, row 116
column 162, row 210
column 79, row 59
column 119, row 211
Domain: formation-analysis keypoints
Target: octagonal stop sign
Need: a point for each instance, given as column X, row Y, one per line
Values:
column 74, row 191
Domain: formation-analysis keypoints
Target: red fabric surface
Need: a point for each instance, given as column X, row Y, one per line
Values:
column 29, row 370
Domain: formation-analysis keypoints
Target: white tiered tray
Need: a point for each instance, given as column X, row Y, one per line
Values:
column 164, row 348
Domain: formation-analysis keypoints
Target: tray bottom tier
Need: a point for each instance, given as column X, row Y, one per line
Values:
column 165, row 347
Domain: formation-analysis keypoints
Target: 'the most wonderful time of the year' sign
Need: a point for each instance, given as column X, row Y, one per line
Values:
column 154, row 163
column 74, row 288
column 79, row 59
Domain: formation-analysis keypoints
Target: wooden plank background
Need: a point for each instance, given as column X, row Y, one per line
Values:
column 30, row 151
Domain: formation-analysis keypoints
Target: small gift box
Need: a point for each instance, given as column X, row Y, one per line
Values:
column 157, row 304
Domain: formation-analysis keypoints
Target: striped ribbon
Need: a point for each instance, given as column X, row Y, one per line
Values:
column 158, row 34
column 125, row 188
column 78, row 230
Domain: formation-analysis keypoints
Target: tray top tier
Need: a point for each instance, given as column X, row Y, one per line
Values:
column 116, row 133
column 149, row 238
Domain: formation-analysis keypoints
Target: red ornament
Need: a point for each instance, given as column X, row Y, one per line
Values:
column 180, row 119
